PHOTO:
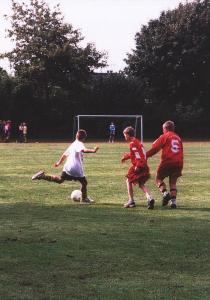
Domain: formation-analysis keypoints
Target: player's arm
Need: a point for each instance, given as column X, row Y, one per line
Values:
column 156, row 146
column 125, row 157
column 94, row 150
column 61, row 160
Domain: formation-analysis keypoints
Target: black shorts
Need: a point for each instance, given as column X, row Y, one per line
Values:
column 66, row 176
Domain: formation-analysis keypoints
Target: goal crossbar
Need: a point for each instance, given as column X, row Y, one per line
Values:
column 136, row 117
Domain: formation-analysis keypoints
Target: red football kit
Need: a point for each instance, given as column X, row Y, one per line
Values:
column 172, row 154
column 139, row 171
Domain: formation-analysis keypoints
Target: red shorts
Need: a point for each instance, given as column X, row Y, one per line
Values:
column 139, row 176
column 169, row 170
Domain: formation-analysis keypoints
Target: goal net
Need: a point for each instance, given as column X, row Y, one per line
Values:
column 97, row 126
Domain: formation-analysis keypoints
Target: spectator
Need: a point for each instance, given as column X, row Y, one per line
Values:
column 7, row 130
column 20, row 129
column 1, row 130
column 25, row 131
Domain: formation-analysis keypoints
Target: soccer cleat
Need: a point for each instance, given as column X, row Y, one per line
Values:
column 87, row 201
column 130, row 204
column 151, row 204
column 38, row 175
column 166, row 199
column 173, row 203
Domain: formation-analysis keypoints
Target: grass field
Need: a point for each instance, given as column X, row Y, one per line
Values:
column 52, row 248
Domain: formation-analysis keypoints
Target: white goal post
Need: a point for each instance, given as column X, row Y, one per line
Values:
column 136, row 118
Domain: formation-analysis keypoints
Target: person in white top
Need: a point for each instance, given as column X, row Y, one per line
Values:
column 25, row 131
column 73, row 167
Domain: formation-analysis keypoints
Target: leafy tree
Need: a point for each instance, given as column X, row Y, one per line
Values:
column 112, row 92
column 171, row 61
column 46, row 46
column 6, row 94
column 49, row 64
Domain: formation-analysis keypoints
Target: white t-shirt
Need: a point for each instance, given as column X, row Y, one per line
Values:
column 74, row 160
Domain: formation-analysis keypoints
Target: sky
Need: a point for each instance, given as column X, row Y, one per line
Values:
column 110, row 24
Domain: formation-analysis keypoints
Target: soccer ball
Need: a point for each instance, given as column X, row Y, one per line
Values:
column 76, row 195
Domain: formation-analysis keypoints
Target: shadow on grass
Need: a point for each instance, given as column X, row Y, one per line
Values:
column 98, row 212
column 201, row 209
column 97, row 205
column 59, row 247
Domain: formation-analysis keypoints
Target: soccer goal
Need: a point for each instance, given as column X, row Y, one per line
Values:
column 98, row 124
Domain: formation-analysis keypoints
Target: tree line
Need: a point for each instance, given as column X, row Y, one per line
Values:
column 167, row 75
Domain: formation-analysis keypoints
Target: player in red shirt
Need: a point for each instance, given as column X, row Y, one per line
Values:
column 138, row 173
column 171, row 164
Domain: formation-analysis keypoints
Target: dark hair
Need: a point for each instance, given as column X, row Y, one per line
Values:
column 169, row 125
column 81, row 134
column 130, row 131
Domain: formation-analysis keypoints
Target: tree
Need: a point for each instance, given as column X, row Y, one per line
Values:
column 46, row 46
column 172, row 61
column 113, row 92
column 48, row 57
column 6, row 95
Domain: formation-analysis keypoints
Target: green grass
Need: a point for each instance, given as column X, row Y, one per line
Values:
column 52, row 248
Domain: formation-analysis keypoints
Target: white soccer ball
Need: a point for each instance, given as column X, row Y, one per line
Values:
column 76, row 195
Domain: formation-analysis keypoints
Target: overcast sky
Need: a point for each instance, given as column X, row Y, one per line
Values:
column 109, row 24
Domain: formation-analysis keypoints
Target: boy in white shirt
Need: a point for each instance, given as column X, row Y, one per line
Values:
column 73, row 167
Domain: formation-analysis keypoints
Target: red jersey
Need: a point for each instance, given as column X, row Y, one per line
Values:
column 172, row 148
column 137, row 153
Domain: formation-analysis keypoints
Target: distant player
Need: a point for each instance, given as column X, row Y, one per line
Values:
column 73, row 168
column 111, row 132
column 171, row 164
column 138, row 173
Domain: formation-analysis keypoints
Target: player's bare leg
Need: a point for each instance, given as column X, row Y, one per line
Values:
column 129, row 189
column 83, row 189
column 162, row 187
column 42, row 176
column 173, row 190
column 150, row 200
column 85, row 198
column 131, row 202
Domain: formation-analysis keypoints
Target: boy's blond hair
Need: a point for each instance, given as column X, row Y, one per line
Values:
column 169, row 125
column 130, row 131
